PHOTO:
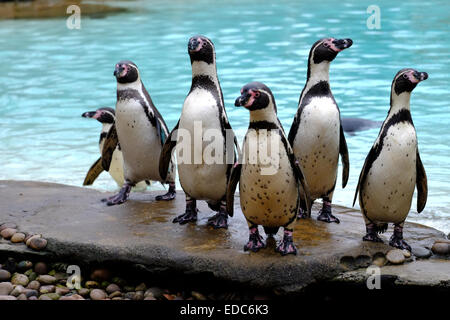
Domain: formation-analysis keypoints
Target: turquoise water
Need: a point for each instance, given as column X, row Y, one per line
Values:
column 51, row 74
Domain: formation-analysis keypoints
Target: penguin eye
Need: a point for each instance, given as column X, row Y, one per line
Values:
column 326, row 45
column 405, row 76
column 257, row 94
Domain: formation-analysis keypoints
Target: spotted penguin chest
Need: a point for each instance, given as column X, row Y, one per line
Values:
column 387, row 191
column 316, row 145
column 268, row 193
column 139, row 141
column 202, row 166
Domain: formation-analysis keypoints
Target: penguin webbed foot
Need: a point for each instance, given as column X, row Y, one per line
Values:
column 189, row 216
column 372, row 237
column 255, row 241
column 219, row 220
column 302, row 214
column 170, row 195
column 325, row 215
column 287, row 245
column 397, row 241
column 120, row 197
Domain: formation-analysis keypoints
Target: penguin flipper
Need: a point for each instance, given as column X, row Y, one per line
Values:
column 231, row 187
column 364, row 171
column 421, row 182
column 93, row 173
column 343, row 150
column 111, row 141
column 301, row 178
column 166, row 153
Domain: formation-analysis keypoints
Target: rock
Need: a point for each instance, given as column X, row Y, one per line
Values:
column 155, row 292
column 100, row 275
column 31, row 293
column 8, row 233
column 139, row 295
column 128, row 289
column 61, row 277
column 104, row 284
column 38, row 243
column 34, row 285
column 22, row 296
column 7, row 225
column 20, row 279
column 395, row 256
column 67, row 298
column 18, row 237
column 115, row 294
column 117, row 298
column 45, row 297
column 130, row 295
column 198, row 295
column 406, row 253
column 27, row 237
column 442, row 241
column 46, row 279
column 33, row 276
column 34, row 236
column 83, row 292
column 151, row 297
column 3, row 297
column 47, row 289
column 18, row 290
column 97, row 294
column 141, row 287
column 62, row 291
column 441, row 248
column 5, row 275
column 77, row 297
column 52, row 296
column 25, row 266
column 5, row 288
column 91, row 284
column 52, row 272
column 40, row 268
column 119, row 281
column 33, row 298
column 379, row 259
column 112, row 288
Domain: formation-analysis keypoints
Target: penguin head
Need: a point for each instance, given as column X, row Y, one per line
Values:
column 200, row 48
column 103, row 115
column 328, row 48
column 255, row 96
column 406, row 80
column 126, row 71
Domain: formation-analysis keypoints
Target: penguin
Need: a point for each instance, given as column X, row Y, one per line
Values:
column 393, row 167
column 203, row 110
column 106, row 116
column 316, row 134
column 269, row 189
column 140, row 131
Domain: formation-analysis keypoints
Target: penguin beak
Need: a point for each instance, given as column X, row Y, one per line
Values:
column 342, row 44
column 118, row 70
column 421, row 76
column 194, row 44
column 241, row 100
column 89, row 114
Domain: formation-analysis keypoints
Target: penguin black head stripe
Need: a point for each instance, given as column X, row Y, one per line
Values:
column 200, row 48
column 103, row 115
column 255, row 96
column 126, row 72
column 328, row 48
column 407, row 79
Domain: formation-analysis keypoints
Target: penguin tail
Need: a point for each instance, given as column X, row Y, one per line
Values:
column 381, row 228
column 271, row 230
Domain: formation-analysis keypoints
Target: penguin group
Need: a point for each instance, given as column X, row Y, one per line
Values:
column 279, row 175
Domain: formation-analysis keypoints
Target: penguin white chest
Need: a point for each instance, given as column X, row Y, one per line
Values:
column 201, row 159
column 139, row 140
column 388, row 189
column 268, row 189
column 316, row 145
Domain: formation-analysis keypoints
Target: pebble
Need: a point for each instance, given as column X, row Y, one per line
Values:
column 139, row 295
column 45, row 297
column 150, row 298
column 34, row 236
column 379, row 261
column 46, row 279
column 198, row 295
column 52, row 296
column 155, row 292
column 141, row 287
column 112, row 288
column 38, row 243
column 119, row 281
column 91, row 284
column 441, row 248
column 47, row 289
column 7, row 225
column 25, row 266
column 83, row 292
column 395, row 256
column 77, row 297
column 62, row 291
column 18, row 237
column 5, row 288
column 128, row 289
column 101, row 275
column 97, row 294
column 33, row 276
column 5, row 275
column 22, row 296
column 31, row 293
column 40, row 268
column 33, row 298
column 130, row 295
column 19, row 278
column 34, row 285
column 18, row 290
column 443, row 241
column 8, row 233
column 115, row 294
column 4, row 297
column 117, row 298
column 27, row 236
column 406, row 253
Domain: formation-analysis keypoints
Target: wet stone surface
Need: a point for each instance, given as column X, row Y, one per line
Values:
column 79, row 226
